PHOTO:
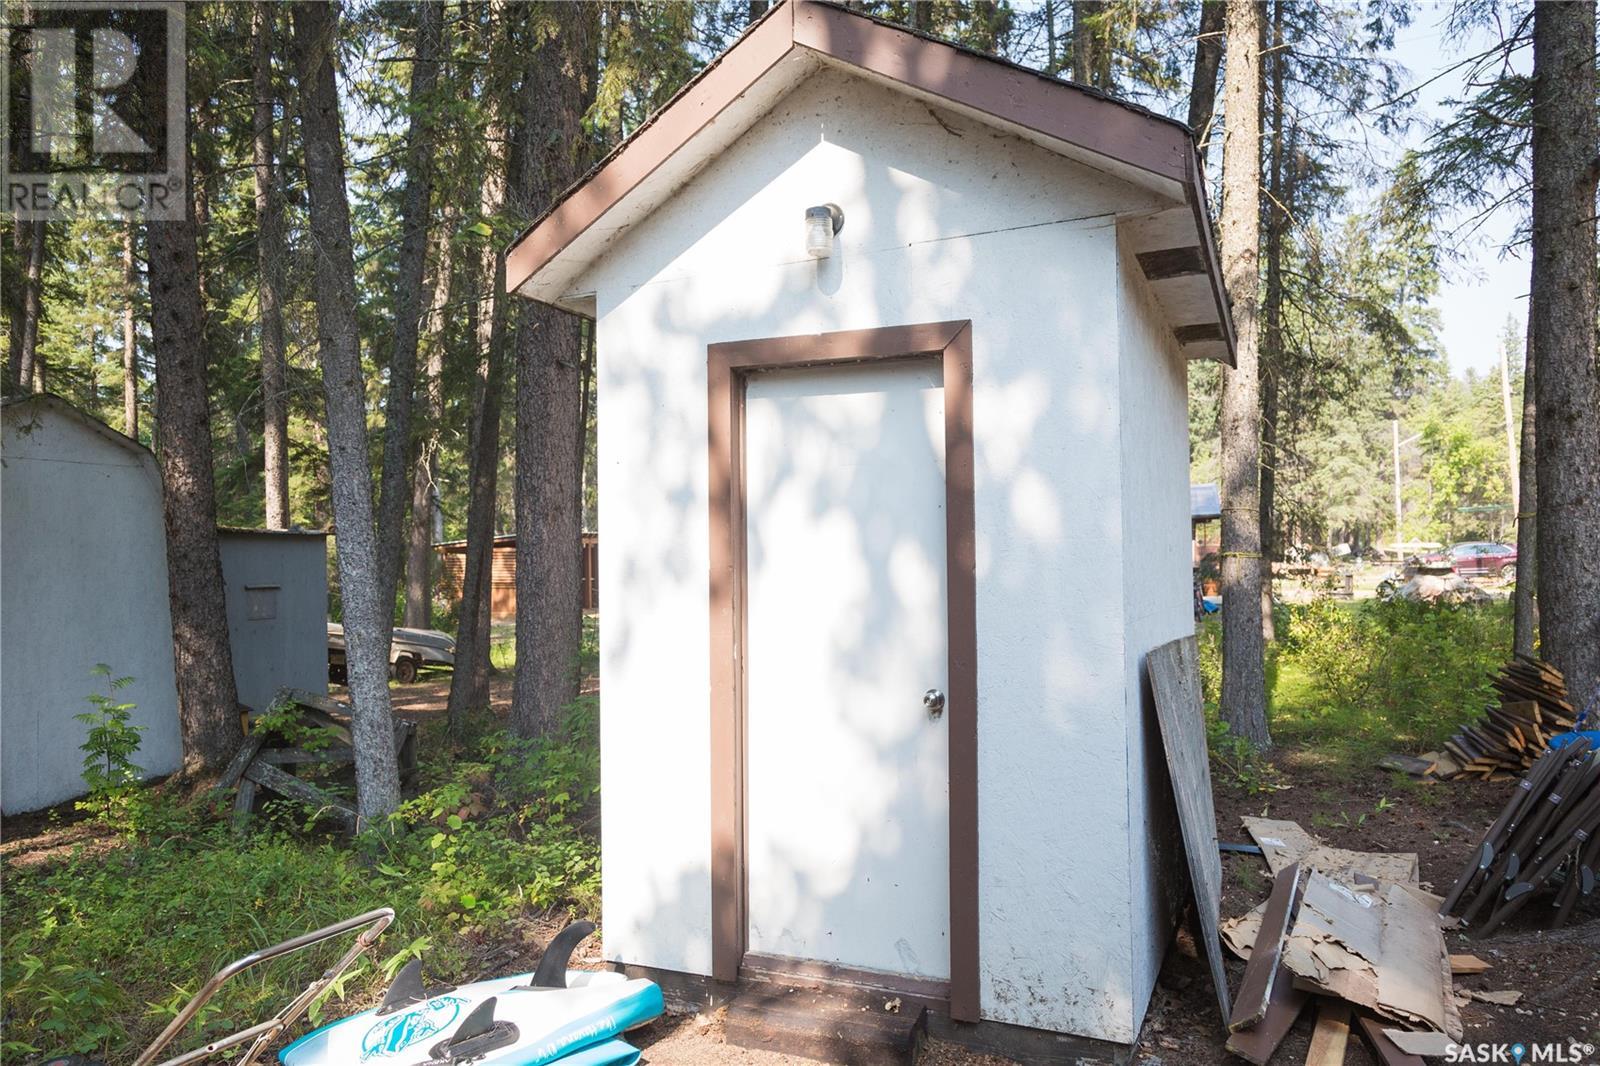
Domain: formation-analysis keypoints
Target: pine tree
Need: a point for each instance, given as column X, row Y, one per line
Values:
column 1243, row 669
column 558, row 88
column 366, row 617
column 1566, row 134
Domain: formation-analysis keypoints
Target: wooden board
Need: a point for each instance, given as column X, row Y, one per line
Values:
column 269, row 776
column 1383, row 1049
column 1255, row 991
column 1332, row 1034
column 241, row 759
column 1174, row 670
column 1257, row 1044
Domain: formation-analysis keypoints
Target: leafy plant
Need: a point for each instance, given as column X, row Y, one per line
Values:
column 108, row 750
column 1359, row 679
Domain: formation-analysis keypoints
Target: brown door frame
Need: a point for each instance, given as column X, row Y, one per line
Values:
column 728, row 366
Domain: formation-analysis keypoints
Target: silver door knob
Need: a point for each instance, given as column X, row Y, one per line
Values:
column 933, row 699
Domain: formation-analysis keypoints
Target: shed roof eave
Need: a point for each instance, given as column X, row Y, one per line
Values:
column 547, row 261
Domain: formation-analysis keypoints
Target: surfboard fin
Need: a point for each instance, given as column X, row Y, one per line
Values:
column 479, row 1022
column 552, row 970
column 477, row 1036
column 405, row 990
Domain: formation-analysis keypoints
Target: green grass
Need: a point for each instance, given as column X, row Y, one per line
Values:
column 102, row 945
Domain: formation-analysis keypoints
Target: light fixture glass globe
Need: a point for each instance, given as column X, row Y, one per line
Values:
column 819, row 232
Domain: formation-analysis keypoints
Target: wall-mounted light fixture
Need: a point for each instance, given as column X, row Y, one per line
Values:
column 821, row 224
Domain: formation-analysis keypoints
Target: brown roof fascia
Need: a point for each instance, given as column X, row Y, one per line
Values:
column 1049, row 106
column 696, row 105
column 1195, row 193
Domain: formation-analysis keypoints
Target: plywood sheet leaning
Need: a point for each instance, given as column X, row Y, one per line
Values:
column 1174, row 670
column 1375, row 946
column 1286, row 844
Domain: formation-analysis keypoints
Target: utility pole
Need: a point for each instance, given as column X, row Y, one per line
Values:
column 1511, row 436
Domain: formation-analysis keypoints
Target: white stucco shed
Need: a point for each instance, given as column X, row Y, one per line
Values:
column 83, row 580
column 889, row 531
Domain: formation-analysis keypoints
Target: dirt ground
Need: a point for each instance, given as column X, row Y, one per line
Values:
column 1368, row 810
column 1371, row 810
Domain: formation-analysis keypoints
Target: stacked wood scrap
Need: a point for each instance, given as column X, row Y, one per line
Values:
column 265, row 761
column 1545, row 845
column 1368, row 953
column 1509, row 737
column 1354, row 935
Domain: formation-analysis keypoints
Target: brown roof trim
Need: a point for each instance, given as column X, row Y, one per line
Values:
column 1058, row 109
column 1015, row 94
column 652, row 144
column 1195, row 193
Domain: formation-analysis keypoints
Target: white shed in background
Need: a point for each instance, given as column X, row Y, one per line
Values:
column 277, row 589
column 893, row 458
column 83, row 580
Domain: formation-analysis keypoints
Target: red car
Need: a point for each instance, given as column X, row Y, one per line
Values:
column 1478, row 558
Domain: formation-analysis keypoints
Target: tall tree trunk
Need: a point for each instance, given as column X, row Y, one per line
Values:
column 756, row 10
column 1085, row 61
column 270, row 257
column 1524, row 616
column 366, row 620
column 395, row 482
column 1568, row 460
column 424, row 477
column 1207, row 59
column 557, row 89
column 208, row 714
column 1271, row 360
column 1512, row 480
column 29, row 376
column 1243, row 672
column 922, row 15
column 130, row 338
column 469, row 682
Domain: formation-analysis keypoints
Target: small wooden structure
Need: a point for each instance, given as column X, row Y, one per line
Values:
column 261, row 763
column 503, row 573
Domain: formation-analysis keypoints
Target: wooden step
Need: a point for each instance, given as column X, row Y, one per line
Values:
column 849, row 1026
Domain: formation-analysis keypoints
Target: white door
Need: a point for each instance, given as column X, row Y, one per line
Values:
column 847, row 772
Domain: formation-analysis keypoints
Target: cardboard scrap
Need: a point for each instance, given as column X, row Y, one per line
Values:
column 1415, row 1042
column 1464, row 965
column 1239, row 934
column 1507, row 998
column 1285, row 843
column 1375, row 946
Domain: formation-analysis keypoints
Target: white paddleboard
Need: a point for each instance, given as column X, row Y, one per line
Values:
column 534, row 1026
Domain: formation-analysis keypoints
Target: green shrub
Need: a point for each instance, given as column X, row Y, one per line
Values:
column 108, row 750
column 1396, row 674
